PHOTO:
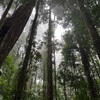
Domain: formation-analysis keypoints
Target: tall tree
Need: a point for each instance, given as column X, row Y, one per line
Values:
column 19, row 21
column 49, row 61
column 5, row 13
column 44, row 71
column 55, row 72
column 64, row 82
column 23, row 72
column 86, row 65
column 90, row 26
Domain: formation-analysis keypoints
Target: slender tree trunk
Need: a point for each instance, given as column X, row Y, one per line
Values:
column 75, row 73
column 49, row 63
column 65, row 90
column 86, row 65
column 22, row 75
column 44, row 56
column 19, row 21
column 31, row 82
column 5, row 13
column 55, row 79
column 44, row 83
column 90, row 26
column 65, row 84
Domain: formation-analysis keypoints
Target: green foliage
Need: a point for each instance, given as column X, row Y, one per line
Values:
column 35, row 93
column 7, row 78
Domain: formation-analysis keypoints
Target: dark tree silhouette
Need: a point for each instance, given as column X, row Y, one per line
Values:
column 19, row 21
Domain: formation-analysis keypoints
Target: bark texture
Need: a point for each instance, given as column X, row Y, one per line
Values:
column 49, row 63
column 5, row 13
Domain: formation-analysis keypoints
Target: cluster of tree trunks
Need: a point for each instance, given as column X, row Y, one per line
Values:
column 19, row 21
column 90, row 26
column 23, row 73
column 12, row 27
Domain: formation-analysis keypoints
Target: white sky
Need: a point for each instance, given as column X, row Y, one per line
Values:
column 59, row 32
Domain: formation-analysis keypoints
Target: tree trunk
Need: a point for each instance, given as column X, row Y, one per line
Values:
column 90, row 26
column 55, row 79
column 86, row 65
column 19, row 21
column 44, row 82
column 23, row 72
column 5, row 13
column 44, row 57
column 65, row 84
column 49, row 63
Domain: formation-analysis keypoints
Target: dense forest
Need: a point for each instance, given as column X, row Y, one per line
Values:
column 35, row 64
